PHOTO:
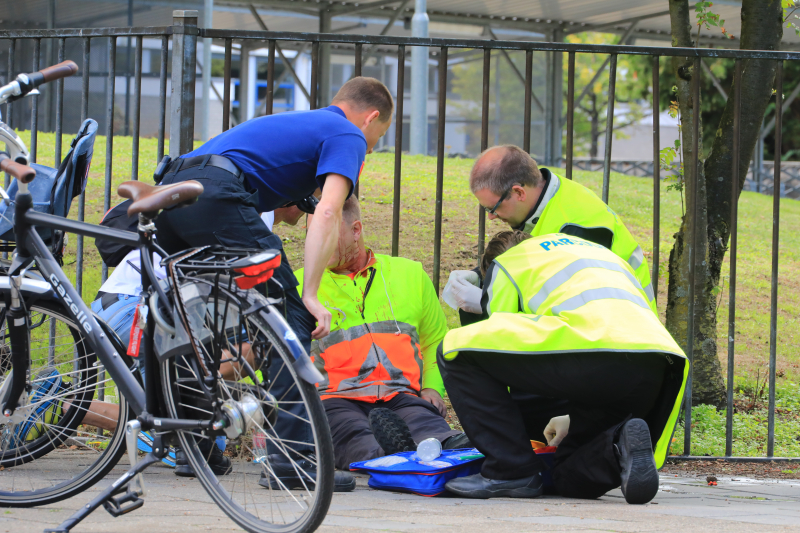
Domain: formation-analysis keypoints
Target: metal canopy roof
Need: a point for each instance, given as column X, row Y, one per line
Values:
column 509, row 19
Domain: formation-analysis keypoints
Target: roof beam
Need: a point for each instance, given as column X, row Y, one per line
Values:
column 288, row 63
column 369, row 51
column 611, row 25
column 516, row 70
column 358, row 8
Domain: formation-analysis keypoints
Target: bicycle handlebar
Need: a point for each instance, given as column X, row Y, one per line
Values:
column 25, row 83
column 29, row 82
column 23, row 173
column 64, row 69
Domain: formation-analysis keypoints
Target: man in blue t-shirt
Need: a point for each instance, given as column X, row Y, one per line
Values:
column 267, row 163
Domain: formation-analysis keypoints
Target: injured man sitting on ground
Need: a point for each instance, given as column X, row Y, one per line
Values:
column 382, row 390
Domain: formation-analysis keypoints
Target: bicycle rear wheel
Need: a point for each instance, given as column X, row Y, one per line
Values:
column 252, row 494
column 49, row 453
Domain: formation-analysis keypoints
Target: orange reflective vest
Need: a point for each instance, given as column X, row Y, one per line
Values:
column 387, row 323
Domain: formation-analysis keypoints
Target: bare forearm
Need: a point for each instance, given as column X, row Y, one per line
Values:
column 321, row 241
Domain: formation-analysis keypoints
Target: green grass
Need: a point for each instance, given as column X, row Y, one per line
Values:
column 750, row 424
column 630, row 197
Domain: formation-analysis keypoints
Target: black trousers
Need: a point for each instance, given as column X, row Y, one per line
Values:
column 226, row 213
column 602, row 391
column 353, row 439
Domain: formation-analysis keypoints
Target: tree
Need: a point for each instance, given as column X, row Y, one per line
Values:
column 591, row 113
column 762, row 29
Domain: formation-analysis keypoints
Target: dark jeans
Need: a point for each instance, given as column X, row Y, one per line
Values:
column 226, row 214
column 352, row 437
column 602, row 391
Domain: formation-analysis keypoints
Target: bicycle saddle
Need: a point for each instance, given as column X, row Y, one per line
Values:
column 153, row 198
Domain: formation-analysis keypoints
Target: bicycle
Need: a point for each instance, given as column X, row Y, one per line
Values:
column 213, row 348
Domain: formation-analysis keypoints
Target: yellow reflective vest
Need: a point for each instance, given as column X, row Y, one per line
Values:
column 386, row 326
column 566, row 203
column 559, row 294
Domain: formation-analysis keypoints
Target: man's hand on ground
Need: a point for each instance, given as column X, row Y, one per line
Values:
column 556, row 430
column 322, row 315
column 435, row 399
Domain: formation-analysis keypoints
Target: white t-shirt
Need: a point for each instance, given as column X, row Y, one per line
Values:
column 127, row 280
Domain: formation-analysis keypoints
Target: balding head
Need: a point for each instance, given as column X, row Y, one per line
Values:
column 500, row 167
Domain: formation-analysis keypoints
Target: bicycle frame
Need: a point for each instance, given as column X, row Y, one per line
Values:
column 30, row 246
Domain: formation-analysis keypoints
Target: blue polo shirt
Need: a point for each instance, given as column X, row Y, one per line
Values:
column 287, row 156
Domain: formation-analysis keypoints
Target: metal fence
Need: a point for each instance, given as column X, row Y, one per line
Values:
column 179, row 109
column 754, row 181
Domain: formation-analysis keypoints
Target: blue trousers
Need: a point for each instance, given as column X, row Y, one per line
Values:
column 226, row 213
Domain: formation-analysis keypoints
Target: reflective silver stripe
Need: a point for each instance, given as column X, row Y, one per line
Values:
column 519, row 292
column 598, row 294
column 563, row 275
column 648, row 290
column 637, row 258
column 490, row 289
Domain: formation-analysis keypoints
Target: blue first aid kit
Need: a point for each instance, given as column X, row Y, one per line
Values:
column 404, row 472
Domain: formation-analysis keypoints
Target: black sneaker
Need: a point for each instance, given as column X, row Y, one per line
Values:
column 477, row 486
column 639, row 474
column 456, row 442
column 218, row 463
column 391, row 431
column 284, row 470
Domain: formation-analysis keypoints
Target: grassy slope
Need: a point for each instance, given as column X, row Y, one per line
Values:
column 630, row 197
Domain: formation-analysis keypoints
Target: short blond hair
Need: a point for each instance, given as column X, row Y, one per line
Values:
column 351, row 211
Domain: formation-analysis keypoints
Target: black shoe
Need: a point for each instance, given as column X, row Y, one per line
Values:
column 284, row 470
column 639, row 474
column 456, row 442
column 391, row 431
column 477, row 486
column 218, row 463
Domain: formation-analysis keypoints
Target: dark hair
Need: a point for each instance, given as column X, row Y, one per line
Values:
column 500, row 243
column 367, row 93
column 500, row 167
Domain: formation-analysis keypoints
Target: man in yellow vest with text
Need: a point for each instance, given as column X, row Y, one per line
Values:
column 510, row 186
column 568, row 320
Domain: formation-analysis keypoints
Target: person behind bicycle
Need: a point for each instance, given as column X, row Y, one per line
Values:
column 115, row 304
column 266, row 163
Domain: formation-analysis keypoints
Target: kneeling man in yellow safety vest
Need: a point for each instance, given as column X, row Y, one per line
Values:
column 567, row 320
column 382, row 390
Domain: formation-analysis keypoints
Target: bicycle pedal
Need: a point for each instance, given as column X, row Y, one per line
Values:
column 130, row 501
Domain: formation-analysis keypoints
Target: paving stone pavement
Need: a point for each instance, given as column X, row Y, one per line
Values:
column 682, row 504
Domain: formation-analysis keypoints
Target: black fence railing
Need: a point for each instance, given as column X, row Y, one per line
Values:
column 178, row 110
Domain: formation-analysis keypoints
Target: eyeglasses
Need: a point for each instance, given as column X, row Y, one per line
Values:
column 500, row 201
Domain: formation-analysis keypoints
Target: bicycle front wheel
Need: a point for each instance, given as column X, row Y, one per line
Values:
column 277, row 475
column 50, row 452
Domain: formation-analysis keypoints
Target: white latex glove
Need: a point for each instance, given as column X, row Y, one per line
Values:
column 556, row 430
column 463, row 291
